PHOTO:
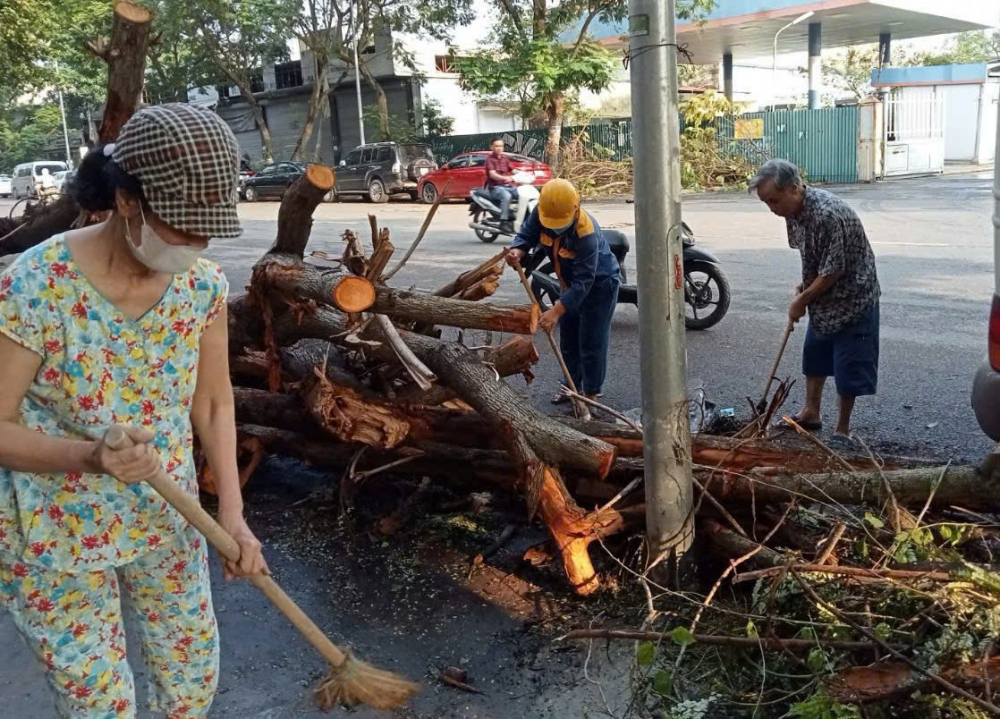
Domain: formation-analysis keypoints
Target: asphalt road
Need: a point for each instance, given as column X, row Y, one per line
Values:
column 933, row 242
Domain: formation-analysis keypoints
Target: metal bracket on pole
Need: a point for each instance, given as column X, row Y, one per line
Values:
column 659, row 260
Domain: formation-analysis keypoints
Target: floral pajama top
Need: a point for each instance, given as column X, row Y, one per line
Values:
column 100, row 367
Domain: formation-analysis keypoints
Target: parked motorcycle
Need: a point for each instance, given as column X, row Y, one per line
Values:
column 706, row 289
column 486, row 214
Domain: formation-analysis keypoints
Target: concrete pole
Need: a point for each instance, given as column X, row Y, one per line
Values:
column 727, row 75
column 659, row 259
column 815, row 64
column 357, row 77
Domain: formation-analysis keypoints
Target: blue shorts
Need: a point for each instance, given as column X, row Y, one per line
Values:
column 850, row 356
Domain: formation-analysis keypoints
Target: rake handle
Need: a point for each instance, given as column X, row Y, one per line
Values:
column 581, row 410
column 193, row 512
column 789, row 327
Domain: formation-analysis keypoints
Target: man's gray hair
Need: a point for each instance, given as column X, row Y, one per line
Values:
column 781, row 172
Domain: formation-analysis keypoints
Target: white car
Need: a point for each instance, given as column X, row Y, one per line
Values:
column 5, row 188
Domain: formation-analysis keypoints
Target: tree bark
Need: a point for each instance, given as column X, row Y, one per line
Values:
column 380, row 100
column 554, row 109
column 125, row 54
column 308, row 282
column 963, row 486
column 489, row 268
column 555, row 444
column 317, row 98
column 130, row 26
column 266, row 153
column 296, row 211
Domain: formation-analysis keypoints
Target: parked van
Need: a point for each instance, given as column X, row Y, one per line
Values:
column 26, row 175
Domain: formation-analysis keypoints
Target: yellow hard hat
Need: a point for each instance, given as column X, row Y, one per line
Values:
column 558, row 204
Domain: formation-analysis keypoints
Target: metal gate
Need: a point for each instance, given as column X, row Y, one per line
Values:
column 824, row 142
column 914, row 132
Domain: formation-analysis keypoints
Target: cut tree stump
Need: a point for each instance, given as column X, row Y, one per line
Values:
column 296, row 211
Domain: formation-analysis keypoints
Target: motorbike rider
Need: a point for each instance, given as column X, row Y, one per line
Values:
column 500, row 182
column 46, row 185
column 588, row 273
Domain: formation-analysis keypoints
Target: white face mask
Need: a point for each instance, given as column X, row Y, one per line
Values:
column 158, row 255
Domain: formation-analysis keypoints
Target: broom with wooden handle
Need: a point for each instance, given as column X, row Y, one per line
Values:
column 351, row 680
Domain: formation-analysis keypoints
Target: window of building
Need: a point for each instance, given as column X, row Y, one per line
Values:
column 288, row 74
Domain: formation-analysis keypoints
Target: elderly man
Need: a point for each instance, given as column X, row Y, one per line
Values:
column 839, row 289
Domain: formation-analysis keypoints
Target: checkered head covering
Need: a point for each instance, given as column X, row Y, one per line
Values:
column 187, row 161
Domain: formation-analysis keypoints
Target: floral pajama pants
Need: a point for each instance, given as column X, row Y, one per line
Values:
column 73, row 624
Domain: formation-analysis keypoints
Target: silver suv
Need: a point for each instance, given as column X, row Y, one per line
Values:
column 381, row 169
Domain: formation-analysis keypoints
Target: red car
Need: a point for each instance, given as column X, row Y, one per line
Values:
column 468, row 170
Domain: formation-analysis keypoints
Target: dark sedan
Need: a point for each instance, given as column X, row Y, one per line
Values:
column 273, row 181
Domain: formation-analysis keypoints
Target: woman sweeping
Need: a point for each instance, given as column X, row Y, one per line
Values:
column 122, row 323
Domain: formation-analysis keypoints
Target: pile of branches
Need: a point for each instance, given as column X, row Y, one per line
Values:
column 332, row 365
column 826, row 603
column 593, row 174
column 704, row 164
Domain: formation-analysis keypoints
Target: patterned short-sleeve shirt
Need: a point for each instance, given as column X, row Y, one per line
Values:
column 830, row 239
column 100, row 367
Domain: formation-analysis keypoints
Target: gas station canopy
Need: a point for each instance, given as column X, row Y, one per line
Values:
column 746, row 28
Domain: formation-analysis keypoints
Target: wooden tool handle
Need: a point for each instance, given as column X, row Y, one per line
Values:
column 580, row 408
column 789, row 327
column 193, row 512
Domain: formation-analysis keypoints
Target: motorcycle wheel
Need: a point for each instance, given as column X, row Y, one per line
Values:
column 483, row 235
column 706, row 295
column 543, row 294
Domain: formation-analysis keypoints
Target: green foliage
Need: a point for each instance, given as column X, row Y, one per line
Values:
column 682, row 636
column 703, row 162
column 436, row 122
column 541, row 56
column 644, row 653
column 400, row 128
column 26, row 132
column 975, row 46
column 822, row 706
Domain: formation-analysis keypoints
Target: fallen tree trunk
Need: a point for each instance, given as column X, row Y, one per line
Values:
column 308, row 282
column 962, row 486
column 556, row 444
column 125, row 55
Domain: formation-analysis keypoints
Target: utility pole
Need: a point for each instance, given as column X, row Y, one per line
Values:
column 357, row 75
column 659, row 259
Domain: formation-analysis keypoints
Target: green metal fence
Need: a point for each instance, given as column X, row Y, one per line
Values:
column 822, row 142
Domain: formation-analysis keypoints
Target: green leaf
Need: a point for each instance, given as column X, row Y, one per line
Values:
column 882, row 630
column 682, row 636
column 751, row 629
column 662, row 683
column 816, row 660
column 874, row 521
column 862, row 548
column 644, row 652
